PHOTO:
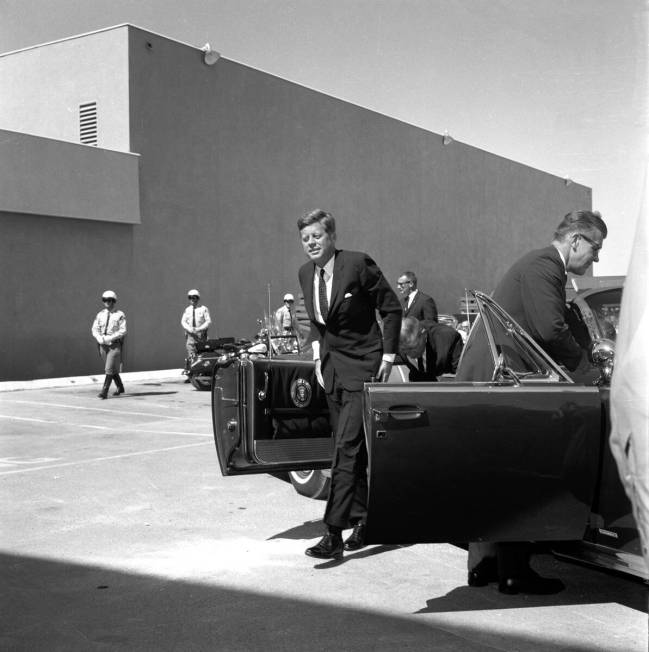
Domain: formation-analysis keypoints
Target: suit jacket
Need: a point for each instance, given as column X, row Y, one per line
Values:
column 443, row 350
column 422, row 307
column 351, row 342
column 533, row 292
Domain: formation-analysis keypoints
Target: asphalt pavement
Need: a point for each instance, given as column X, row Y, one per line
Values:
column 118, row 532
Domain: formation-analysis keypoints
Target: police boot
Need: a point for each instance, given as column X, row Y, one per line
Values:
column 104, row 389
column 120, row 385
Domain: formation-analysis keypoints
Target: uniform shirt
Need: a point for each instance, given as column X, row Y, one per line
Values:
column 202, row 318
column 109, row 326
column 284, row 318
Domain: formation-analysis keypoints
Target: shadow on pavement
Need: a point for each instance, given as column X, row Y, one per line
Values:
column 308, row 530
column 583, row 586
column 50, row 605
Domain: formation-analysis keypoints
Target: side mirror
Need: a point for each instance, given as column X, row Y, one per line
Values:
column 602, row 355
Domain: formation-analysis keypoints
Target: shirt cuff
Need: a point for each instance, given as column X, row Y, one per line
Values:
column 388, row 357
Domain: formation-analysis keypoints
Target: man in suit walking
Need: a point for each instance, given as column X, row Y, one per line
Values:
column 342, row 292
column 428, row 349
column 533, row 293
column 415, row 303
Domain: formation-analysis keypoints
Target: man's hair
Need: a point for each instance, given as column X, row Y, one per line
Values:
column 411, row 277
column 322, row 217
column 410, row 330
column 580, row 222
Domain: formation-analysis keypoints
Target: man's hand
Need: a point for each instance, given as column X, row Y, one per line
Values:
column 318, row 373
column 384, row 372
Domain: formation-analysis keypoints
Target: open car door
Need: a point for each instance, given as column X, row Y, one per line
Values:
column 270, row 415
column 514, row 458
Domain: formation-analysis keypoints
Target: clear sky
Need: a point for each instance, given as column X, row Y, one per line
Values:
column 560, row 85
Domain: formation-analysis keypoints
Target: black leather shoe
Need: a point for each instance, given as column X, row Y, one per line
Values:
column 356, row 539
column 531, row 584
column 119, row 391
column 329, row 547
column 486, row 571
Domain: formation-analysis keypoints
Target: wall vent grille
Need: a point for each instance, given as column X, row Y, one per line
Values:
column 88, row 123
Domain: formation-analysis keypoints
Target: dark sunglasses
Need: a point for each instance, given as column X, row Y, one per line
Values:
column 108, row 300
column 593, row 245
column 191, row 297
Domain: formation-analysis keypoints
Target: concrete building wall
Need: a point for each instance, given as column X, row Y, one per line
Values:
column 43, row 86
column 229, row 158
column 92, row 184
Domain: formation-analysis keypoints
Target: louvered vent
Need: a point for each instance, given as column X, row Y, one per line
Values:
column 88, row 123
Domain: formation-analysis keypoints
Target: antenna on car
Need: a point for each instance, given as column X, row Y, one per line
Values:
column 270, row 348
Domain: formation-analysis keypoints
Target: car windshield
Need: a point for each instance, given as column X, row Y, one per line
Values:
column 514, row 351
column 605, row 307
column 506, row 350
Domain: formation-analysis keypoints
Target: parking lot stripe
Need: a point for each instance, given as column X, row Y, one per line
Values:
column 96, row 409
column 8, row 416
column 172, row 432
column 101, row 459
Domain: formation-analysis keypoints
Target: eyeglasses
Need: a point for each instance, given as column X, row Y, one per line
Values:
column 402, row 283
column 595, row 246
column 191, row 297
column 107, row 300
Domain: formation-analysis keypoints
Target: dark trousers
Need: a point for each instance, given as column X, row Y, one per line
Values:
column 347, row 502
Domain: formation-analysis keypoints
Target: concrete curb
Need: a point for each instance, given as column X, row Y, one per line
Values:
column 98, row 379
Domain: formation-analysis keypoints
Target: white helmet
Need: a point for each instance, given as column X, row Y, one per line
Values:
column 108, row 294
column 194, row 293
column 289, row 297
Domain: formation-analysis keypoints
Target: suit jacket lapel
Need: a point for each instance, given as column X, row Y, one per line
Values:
column 339, row 266
column 308, row 293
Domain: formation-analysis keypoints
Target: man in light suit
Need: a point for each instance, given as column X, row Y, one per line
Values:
column 415, row 303
column 533, row 293
column 428, row 349
column 342, row 292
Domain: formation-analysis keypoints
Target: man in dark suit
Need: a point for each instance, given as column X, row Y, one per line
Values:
column 342, row 292
column 533, row 293
column 428, row 349
column 415, row 303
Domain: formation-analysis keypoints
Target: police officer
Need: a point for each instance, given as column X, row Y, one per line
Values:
column 285, row 315
column 109, row 329
column 195, row 322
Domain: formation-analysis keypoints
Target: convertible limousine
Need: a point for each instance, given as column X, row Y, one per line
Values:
column 524, row 457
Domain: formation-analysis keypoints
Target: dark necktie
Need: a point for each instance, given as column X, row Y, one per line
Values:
column 107, row 320
column 420, row 364
column 322, row 296
column 194, row 316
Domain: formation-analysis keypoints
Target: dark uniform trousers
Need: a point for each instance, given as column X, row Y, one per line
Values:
column 347, row 502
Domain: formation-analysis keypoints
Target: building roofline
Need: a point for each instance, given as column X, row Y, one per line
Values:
column 97, row 31
column 297, row 83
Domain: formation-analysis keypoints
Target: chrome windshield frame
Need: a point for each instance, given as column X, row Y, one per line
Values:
column 487, row 304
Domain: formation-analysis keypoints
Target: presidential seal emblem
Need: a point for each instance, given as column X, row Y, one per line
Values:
column 301, row 392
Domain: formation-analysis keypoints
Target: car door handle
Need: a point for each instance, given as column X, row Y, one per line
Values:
column 399, row 412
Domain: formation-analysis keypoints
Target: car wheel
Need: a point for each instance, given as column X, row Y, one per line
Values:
column 202, row 385
column 312, row 483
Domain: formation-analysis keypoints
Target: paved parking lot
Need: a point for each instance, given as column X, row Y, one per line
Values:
column 119, row 533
